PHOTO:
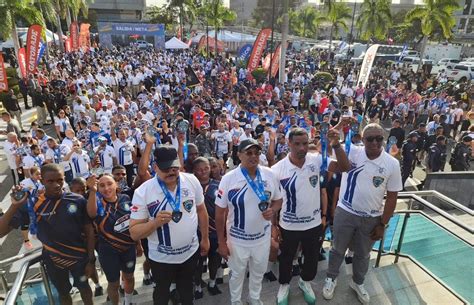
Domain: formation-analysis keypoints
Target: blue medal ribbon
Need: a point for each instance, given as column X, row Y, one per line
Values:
column 348, row 143
column 100, row 206
column 32, row 198
column 57, row 155
column 257, row 186
column 38, row 160
column 174, row 202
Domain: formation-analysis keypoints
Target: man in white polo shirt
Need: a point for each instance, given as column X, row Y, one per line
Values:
column 166, row 210
column 79, row 160
column 303, row 214
column 124, row 151
column 252, row 196
column 106, row 155
column 362, row 215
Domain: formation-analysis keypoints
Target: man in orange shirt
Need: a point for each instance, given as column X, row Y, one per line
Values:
column 198, row 117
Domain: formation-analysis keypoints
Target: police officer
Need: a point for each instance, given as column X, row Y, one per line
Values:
column 409, row 149
column 437, row 155
column 461, row 155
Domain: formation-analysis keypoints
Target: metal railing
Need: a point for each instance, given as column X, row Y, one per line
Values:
column 32, row 258
column 408, row 212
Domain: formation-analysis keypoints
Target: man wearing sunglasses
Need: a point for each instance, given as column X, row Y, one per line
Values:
column 361, row 215
column 251, row 195
column 166, row 210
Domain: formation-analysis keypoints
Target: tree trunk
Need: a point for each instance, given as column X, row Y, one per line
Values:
column 284, row 39
column 330, row 41
column 16, row 43
column 422, row 52
column 68, row 17
column 215, row 41
column 60, row 33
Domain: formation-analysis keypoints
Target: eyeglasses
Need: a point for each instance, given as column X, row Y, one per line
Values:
column 253, row 153
column 374, row 138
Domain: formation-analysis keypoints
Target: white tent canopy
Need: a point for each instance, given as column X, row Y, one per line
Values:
column 22, row 33
column 175, row 43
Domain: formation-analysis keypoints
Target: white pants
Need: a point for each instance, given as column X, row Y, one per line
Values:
column 41, row 115
column 257, row 260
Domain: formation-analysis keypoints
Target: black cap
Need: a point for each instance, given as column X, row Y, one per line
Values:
column 166, row 156
column 413, row 134
column 467, row 138
column 248, row 143
column 180, row 114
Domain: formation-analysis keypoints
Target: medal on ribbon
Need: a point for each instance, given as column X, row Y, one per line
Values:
column 174, row 202
column 258, row 188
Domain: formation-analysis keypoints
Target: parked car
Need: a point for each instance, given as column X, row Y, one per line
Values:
column 142, row 44
column 461, row 73
column 448, row 61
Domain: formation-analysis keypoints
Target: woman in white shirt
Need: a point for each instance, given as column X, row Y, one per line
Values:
column 61, row 124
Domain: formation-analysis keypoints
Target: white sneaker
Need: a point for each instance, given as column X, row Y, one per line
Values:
column 308, row 292
column 283, row 293
column 362, row 294
column 328, row 289
column 255, row 302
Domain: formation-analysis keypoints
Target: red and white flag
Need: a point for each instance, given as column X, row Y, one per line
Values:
column 3, row 75
column 258, row 48
column 33, row 41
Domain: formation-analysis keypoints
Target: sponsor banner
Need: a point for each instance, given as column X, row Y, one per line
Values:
column 245, row 51
column 67, row 43
column 276, row 61
column 367, row 64
column 212, row 43
column 74, row 35
column 41, row 52
column 33, row 41
column 258, row 48
column 22, row 61
column 266, row 62
column 84, row 37
column 3, row 75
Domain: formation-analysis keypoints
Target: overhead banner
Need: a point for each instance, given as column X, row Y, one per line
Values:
column 74, row 34
column 22, row 61
column 258, row 48
column 276, row 61
column 245, row 51
column 33, row 41
column 367, row 64
column 3, row 75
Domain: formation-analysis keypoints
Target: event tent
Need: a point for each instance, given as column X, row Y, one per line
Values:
column 23, row 32
column 175, row 43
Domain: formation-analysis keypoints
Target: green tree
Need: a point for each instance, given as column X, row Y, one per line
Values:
column 374, row 19
column 162, row 14
column 13, row 10
column 217, row 16
column 337, row 16
column 309, row 21
column 434, row 13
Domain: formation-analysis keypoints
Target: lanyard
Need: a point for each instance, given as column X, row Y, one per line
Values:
column 174, row 202
column 57, row 155
column 38, row 160
column 324, row 144
column 258, row 186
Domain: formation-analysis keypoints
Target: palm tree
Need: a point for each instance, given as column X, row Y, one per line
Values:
column 309, row 20
column 218, row 14
column 374, row 19
column 337, row 16
column 11, row 11
column 435, row 13
column 78, row 6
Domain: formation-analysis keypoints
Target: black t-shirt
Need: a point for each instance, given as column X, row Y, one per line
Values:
column 60, row 223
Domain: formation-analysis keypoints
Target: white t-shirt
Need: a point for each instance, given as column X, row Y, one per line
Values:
column 123, row 151
column 32, row 186
column 10, row 152
column 106, row 156
column 80, row 164
column 63, row 124
column 222, row 141
column 301, row 209
column 57, row 156
column 245, row 224
column 30, row 161
column 173, row 243
column 363, row 188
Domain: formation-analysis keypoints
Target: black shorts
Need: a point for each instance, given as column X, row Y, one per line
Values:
column 60, row 277
column 113, row 261
column 144, row 243
column 213, row 246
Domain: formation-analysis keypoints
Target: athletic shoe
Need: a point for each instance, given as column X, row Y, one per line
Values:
column 98, row 291
column 174, row 297
column 255, row 302
column 198, row 295
column 213, row 290
column 28, row 245
column 283, row 293
column 348, row 259
column 296, row 270
column 308, row 292
column 362, row 294
column 328, row 289
column 269, row 276
column 147, row 282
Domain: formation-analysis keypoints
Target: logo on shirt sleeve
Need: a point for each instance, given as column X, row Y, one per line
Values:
column 134, row 209
column 220, row 193
column 377, row 181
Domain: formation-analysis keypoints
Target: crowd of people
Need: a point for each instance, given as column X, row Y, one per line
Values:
column 225, row 172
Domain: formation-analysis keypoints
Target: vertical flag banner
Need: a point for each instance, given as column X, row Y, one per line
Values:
column 258, row 47
column 266, row 62
column 245, row 51
column 367, row 64
column 403, row 53
column 3, row 75
column 276, row 60
column 41, row 52
column 74, row 34
column 22, row 61
column 68, row 45
column 84, row 37
column 33, row 40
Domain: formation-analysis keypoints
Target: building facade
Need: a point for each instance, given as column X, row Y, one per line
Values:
column 243, row 9
column 118, row 10
column 465, row 21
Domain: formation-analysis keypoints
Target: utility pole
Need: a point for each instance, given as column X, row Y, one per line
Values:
column 284, row 38
column 271, row 41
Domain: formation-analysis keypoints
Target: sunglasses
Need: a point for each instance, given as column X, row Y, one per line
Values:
column 379, row 139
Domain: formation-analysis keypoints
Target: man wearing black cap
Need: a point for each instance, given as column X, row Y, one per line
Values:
column 461, row 156
column 166, row 210
column 251, row 195
column 437, row 155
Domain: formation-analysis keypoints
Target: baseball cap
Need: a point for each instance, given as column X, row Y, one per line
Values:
column 180, row 114
column 466, row 138
column 248, row 126
column 102, row 139
column 248, row 143
column 166, row 156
